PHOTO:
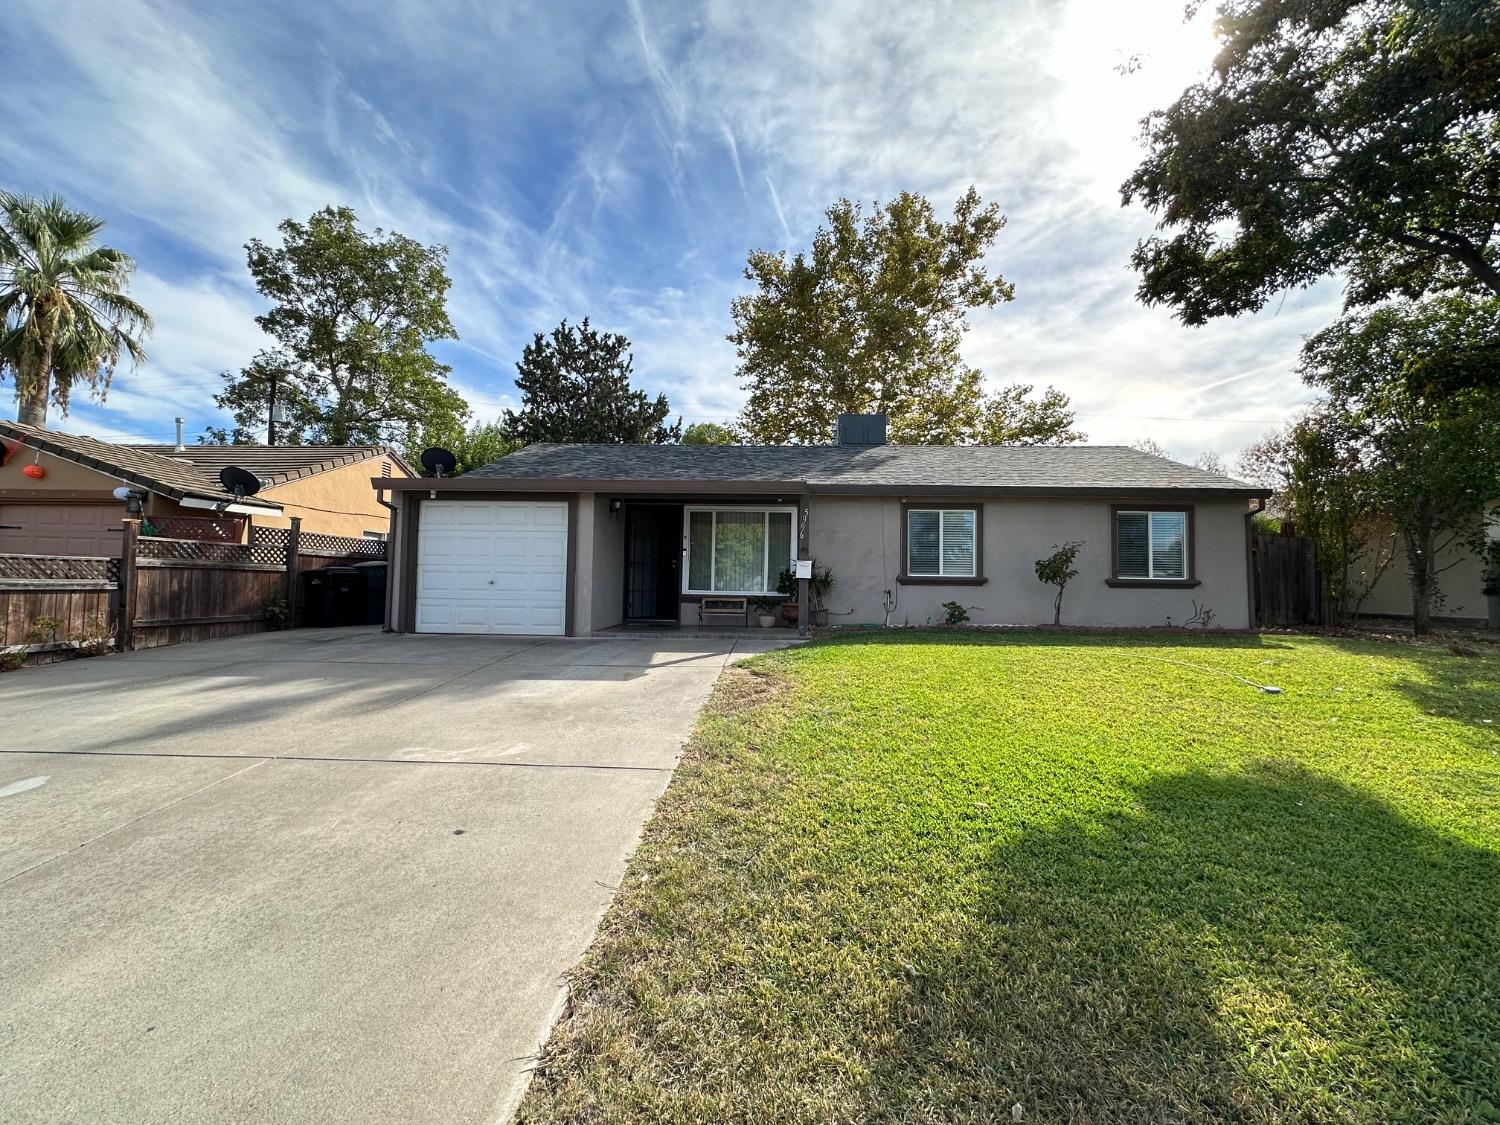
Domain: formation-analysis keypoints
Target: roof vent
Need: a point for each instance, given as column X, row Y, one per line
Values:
column 861, row 429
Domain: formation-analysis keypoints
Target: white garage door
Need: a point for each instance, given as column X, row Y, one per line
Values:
column 492, row 566
column 62, row 529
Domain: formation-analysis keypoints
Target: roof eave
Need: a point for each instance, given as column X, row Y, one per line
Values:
column 130, row 476
column 472, row 483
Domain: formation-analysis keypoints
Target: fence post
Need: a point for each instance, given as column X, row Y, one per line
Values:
column 126, row 624
column 293, row 546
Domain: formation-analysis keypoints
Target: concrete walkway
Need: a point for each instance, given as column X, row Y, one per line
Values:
column 325, row 875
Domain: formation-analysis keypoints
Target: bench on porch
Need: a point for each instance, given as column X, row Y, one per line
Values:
column 732, row 608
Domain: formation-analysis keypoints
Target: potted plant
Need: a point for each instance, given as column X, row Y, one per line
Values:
column 765, row 610
column 786, row 586
column 817, row 590
column 1492, row 581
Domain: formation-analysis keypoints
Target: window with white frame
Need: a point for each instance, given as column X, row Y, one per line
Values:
column 940, row 542
column 737, row 550
column 1151, row 545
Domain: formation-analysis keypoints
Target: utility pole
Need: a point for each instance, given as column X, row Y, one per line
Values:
column 271, row 415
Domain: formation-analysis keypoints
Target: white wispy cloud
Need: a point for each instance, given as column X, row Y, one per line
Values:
column 582, row 159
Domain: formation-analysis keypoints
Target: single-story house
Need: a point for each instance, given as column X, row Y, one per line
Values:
column 57, row 490
column 571, row 539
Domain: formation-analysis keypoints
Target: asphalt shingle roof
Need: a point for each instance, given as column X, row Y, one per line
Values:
column 138, row 466
column 1049, row 468
column 195, row 471
column 279, row 464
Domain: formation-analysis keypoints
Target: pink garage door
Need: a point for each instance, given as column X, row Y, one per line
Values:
column 61, row 529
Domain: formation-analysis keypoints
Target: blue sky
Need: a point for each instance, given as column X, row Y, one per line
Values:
column 618, row 160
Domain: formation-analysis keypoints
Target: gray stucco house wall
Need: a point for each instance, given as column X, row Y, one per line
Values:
column 577, row 539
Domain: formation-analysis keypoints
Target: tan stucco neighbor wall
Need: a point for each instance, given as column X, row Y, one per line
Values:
column 860, row 538
column 65, row 479
column 338, row 502
column 1460, row 579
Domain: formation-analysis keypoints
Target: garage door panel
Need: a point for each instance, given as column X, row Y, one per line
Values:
column 493, row 566
column 434, row 582
column 528, row 545
column 87, row 530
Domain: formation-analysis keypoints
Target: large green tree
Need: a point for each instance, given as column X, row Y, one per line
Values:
column 710, row 433
column 575, row 387
column 869, row 320
column 1011, row 416
column 65, row 318
column 1357, row 137
column 352, row 313
column 1325, row 483
column 1432, row 459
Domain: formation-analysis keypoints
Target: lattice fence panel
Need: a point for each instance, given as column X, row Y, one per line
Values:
column 65, row 568
column 316, row 543
column 192, row 550
column 270, row 536
column 202, row 528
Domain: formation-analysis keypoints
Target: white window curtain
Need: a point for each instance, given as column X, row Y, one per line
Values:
column 737, row 550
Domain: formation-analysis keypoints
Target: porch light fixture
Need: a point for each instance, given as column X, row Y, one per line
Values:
column 131, row 499
column 615, row 505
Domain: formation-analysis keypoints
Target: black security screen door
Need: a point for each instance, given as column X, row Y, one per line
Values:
column 653, row 556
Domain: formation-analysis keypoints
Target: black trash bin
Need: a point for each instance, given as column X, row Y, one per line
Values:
column 344, row 595
column 317, row 599
column 374, row 599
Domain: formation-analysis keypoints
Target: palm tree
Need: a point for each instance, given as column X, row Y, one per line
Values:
column 64, row 315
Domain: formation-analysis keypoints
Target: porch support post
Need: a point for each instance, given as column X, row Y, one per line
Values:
column 293, row 551
column 804, row 552
column 126, row 586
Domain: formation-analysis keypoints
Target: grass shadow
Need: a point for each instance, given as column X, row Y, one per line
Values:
column 1263, row 945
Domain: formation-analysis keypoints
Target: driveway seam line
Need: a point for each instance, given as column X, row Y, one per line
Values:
column 134, row 820
column 258, row 759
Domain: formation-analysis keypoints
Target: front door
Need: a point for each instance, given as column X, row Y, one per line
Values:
column 653, row 558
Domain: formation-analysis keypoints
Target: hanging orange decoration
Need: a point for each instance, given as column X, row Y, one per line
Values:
column 35, row 472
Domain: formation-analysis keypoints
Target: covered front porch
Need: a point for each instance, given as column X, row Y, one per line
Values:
column 707, row 564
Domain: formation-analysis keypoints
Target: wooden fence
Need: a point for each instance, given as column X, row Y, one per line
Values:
column 51, row 606
column 1288, row 586
column 163, row 590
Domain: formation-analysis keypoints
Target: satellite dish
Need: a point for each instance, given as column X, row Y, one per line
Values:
column 439, row 461
column 239, row 481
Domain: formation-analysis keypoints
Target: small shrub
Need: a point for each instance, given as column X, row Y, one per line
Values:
column 277, row 613
column 43, row 631
column 95, row 638
column 1057, row 570
column 954, row 614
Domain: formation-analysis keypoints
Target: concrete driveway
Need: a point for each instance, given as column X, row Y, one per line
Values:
column 326, row 875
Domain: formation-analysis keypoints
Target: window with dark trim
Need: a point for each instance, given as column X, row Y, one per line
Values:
column 942, row 542
column 738, row 550
column 1152, row 545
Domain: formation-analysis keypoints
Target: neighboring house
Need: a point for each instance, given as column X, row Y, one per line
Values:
column 1460, row 584
column 328, row 486
column 575, row 538
column 70, row 509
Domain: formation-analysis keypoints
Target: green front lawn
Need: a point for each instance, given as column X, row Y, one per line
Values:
column 922, row 877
